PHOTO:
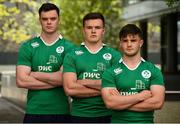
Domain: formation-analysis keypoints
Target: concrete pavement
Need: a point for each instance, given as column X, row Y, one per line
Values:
column 9, row 113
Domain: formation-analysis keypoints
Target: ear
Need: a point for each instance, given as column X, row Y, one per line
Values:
column 83, row 32
column 141, row 42
column 103, row 31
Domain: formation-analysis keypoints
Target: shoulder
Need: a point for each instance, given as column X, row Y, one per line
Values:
column 151, row 67
column 112, row 51
column 33, row 42
column 76, row 51
column 115, row 70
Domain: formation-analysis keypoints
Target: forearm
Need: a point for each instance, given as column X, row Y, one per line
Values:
column 79, row 90
column 147, row 105
column 73, row 88
column 152, row 103
column 87, row 94
column 93, row 84
column 122, row 102
column 54, row 78
column 29, row 82
column 114, row 100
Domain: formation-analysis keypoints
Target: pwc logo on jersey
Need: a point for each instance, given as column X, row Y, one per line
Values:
column 60, row 49
column 146, row 74
column 35, row 44
column 117, row 71
column 107, row 56
column 128, row 93
column 45, row 68
column 91, row 75
column 79, row 52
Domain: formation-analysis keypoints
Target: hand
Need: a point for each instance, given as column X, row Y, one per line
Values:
column 113, row 91
column 145, row 94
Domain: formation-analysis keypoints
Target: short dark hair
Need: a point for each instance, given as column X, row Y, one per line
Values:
column 93, row 15
column 130, row 29
column 47, row 7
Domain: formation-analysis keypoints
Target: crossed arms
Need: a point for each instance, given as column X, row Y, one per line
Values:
column 80, row 88
column 146, row 100
column 25, row 78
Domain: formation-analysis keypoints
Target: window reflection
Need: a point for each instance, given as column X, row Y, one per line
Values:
column 154, row 32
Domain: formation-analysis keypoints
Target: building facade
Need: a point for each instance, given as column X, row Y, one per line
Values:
column 160, row 24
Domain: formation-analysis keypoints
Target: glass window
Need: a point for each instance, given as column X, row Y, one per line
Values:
column 178, row 40
column 153, row 41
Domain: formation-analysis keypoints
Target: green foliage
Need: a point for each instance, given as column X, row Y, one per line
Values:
column 73, row 12
column 11, row 18
column 172, row 3
column 19, row 20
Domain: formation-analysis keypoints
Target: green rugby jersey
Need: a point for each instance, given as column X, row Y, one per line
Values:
column 42, row 57
column 130, row 82
column 89, row 65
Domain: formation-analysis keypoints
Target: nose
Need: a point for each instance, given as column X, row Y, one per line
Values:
column 93, row 30
column 129, row 43
column 48, row 21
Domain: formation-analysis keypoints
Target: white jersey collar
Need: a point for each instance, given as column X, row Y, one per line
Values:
column 60, row 37
column 121, row 61
column 83, row 44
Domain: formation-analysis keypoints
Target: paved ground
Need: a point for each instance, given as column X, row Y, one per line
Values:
column 9, row 113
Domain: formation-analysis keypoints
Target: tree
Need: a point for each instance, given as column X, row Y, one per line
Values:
column 172, row 3
column 19, row 20
column 72, row 13
column 13, row 31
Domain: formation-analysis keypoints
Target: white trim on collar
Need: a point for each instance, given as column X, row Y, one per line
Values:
column 83, row 44
column 121, row 61
column 60, row 37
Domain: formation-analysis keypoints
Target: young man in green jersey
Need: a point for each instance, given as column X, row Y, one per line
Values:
column 38, row 70
column 83, row 68
column 133, row 88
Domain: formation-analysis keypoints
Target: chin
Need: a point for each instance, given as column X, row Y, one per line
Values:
column 130, row 54
column 50, row 32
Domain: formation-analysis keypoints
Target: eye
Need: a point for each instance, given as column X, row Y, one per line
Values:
column 44, row 19
column 89, row 27
column 133, row 40
column 124, row 40
column 98, row 27
column 53, row 19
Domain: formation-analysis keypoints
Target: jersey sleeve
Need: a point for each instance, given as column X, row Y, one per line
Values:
column 24, row 55
column 108, row 79
column 157, row 77
column 69, row 63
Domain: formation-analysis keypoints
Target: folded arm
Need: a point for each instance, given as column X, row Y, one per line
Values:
column 114, row 100
column 54, row 78
column 94, row 84
column 72, row 88
column 25, row 80
column 152, row 103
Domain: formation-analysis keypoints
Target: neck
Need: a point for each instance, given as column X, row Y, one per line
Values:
column 94, row 47
column 49, row 38
column 132, row 61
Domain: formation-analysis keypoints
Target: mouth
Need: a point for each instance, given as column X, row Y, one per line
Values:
column 49, row 27
column 129, row 49
column 93, row 36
